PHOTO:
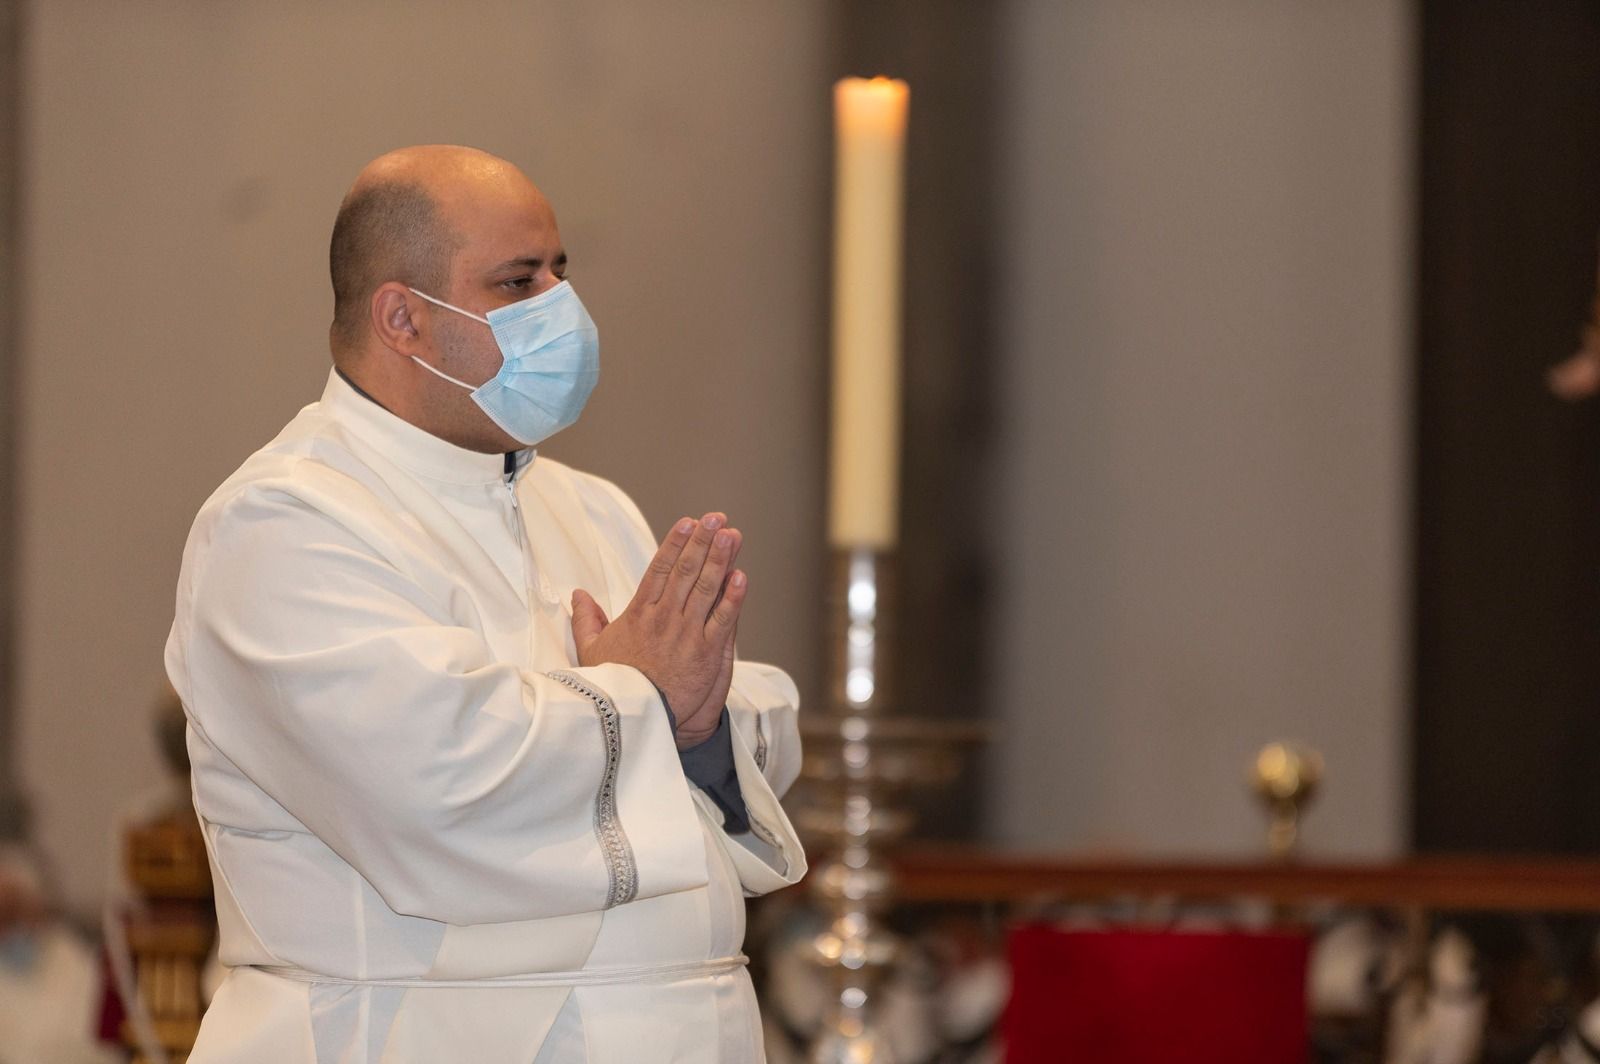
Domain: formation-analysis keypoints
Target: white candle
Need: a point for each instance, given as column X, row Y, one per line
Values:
column 869, row 152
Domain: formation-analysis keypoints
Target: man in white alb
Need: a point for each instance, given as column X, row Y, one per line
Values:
column 480, row 778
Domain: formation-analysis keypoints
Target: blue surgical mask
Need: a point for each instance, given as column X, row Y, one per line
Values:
column 551, row 362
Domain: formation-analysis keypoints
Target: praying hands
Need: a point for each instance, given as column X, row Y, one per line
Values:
column 680, row 627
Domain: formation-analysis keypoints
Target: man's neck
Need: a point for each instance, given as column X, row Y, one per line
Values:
column 512, row 461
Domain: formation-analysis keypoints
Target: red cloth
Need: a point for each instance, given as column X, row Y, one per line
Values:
column 1156, row 997
column 112, row 1013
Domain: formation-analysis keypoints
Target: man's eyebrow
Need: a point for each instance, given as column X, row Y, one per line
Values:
column 527, row 263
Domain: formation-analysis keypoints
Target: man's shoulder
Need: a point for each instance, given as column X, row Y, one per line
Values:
column 310, row 463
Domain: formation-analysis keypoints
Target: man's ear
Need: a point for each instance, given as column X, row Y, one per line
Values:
column 392, row 311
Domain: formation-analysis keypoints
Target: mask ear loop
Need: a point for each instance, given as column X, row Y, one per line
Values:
column 448, row 306
column 458, row 310
column 446, row 376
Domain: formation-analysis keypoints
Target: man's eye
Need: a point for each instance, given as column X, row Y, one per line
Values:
column 518, row 282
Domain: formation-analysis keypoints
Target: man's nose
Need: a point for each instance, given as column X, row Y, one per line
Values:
column 545, row 280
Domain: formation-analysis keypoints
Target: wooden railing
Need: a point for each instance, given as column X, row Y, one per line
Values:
column 1517, row 884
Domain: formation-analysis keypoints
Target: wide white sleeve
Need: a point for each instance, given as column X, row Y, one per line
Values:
column 464, row 789
column 763, row 706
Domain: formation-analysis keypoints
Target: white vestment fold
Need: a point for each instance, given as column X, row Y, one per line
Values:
column 429, row 829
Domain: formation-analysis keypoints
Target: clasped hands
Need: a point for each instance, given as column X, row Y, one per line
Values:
column 680, row 626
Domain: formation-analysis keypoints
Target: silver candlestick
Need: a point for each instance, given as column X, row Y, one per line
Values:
column 860, row 758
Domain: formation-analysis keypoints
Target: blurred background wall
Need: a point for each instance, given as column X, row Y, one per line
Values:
column 184, row 162
column 1195, row 502
column 11, row 810
column 1204, row 345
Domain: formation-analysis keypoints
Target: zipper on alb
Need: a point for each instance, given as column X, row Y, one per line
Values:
column 516, row 522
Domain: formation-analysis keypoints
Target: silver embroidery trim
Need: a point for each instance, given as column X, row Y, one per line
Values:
column 764, row 833
column 757, row 828
column 621, row 867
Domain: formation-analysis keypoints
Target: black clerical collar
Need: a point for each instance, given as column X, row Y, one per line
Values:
column 358, row 389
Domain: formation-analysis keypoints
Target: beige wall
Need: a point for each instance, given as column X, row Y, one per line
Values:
column 1203, row 489
column 186, row 161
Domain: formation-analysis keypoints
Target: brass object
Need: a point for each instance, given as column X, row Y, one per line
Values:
column 170, row 935
column 1285, row 778
column 171, row 931
column 859, row 760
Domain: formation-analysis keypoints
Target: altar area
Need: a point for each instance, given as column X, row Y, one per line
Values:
column 1427, row 959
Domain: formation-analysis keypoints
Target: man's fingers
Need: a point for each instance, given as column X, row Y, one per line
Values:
column 733, row 560
column 659, row 570
column 691, row 561
column 588, row 619
column 725, row 618
column 713, row 574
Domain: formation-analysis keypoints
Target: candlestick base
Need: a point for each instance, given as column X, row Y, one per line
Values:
column 860, row 761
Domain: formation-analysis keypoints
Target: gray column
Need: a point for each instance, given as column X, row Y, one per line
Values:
column 947, row 51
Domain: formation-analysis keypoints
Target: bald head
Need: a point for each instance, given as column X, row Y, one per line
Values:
column 396, row 224
column 468, row 230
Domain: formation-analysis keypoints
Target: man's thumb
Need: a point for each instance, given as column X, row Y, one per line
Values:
column 588, row 619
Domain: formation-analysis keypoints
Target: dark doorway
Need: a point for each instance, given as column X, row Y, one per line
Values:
column 1506, row 749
